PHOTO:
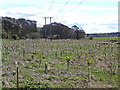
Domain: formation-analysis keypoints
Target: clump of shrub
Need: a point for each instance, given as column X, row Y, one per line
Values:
column 15, row 37
column 91, row 37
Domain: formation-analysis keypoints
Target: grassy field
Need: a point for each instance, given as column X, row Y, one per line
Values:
column 107, row 38
column 70, row 63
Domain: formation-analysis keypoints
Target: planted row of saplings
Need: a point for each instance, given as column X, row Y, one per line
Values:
column 68, row 58
column 90, row 61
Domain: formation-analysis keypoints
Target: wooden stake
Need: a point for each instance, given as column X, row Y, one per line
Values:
column 40, row 63
column 89, row 70
column 23, row 53
column 67, row 65
column 32, row 57
column 17, row 79
column 46, row 68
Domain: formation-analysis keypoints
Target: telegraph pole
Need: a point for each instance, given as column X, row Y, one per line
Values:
column 50, row 19
column 45, row 25
column 50, row 27
column 45, row 28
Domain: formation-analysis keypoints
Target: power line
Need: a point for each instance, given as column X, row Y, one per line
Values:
column 71, row 8
column 62, row 7
column 51, row 4
column 78, row 5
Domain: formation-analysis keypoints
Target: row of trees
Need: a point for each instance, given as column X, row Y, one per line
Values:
column 112, row 34
column 22, row 29
column 17, row 28
column 62, row 31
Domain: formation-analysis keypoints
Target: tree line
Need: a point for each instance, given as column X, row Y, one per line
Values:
column 112, row 34
column 61, row 31
column 22, row 29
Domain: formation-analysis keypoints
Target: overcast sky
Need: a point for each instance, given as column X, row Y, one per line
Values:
column 94, row 16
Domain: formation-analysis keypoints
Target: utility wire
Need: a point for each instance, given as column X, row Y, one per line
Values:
column 71, row 8
column 62, row 7
column 78, row 5
column 51, row 4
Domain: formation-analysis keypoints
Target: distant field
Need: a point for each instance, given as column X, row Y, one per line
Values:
column 106, row 38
